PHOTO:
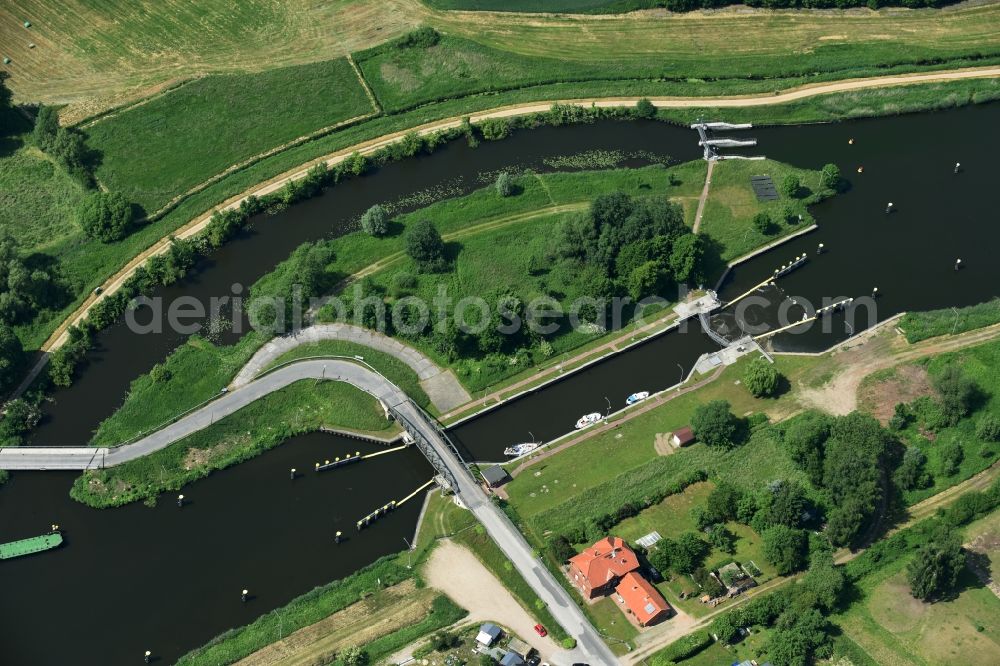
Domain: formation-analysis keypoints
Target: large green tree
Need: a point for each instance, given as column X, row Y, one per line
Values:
column 426, row 247
column 105, row 216
column 805, row 438
column 715, row 424
column 761, row 378
column 933, row 571
column 375, row 221
column 785, row 548
column 12, row 358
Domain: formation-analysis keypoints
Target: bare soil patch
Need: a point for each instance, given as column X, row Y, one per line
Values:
column 905, row 384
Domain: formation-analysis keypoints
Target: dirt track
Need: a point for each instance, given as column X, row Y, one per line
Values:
column 110, row 286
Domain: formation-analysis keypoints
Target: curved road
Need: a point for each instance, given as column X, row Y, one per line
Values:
column 195, row 226
column 590, row 648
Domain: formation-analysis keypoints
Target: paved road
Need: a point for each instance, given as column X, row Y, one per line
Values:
column 590, row 647
column 441, row 386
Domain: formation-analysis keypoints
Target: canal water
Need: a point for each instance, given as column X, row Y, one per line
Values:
column 168, row 579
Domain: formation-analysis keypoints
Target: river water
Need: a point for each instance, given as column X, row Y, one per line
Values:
column 168, row 579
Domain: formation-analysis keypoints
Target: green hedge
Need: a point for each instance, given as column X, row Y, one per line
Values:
column 683, row 648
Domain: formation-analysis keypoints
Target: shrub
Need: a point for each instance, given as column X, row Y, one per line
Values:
column 790, row 185
column 761, row 378
column 569, row 643
column 683, row 648
column 105, row 216
column 160, row 373
column 762, row 223
column 375, row 221
column 911, row 473
column 714, row 424
column 425, row 246
column 957, row 393
column 645, row 109
column 988, row 428
column 952, row 456
column 830, row 176
column 423, row 37
column 561, row 549
column 494, row 129
column 505, row 184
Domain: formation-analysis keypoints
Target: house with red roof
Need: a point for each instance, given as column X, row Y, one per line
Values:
column 597, row 570
column 642, row 600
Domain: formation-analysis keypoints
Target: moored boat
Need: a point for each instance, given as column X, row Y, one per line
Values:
column 588, row 420
column 637, row 397
column 520, row 449
column 31, row 545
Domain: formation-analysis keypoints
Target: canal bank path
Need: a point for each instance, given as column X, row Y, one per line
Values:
column 198, row 224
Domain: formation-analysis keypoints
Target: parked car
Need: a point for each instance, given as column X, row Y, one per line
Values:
column 540, row 630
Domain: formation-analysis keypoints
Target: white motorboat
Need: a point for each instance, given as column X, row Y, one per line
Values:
column 637, row 397
column 588, row 420
column 520, row 449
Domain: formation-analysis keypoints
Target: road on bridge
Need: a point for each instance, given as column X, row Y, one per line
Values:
column 590, row 648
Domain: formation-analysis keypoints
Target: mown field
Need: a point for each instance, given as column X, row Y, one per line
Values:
column 97, row 54
column 153, row 152
column 569, row 6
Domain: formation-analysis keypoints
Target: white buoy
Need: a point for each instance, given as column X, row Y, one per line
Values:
column 819, row 250
column 958, row 264
column 958, row 165
column 180, row 500
column 243, row 595
column 146, row 656
column 888, row 208
column 874, row 292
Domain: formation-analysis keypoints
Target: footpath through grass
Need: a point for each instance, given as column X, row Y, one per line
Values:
column 298, row 408
column 731, row 205
column 86, row 265
column 197, row 370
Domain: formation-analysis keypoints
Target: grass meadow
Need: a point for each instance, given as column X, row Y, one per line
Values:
column 298, row 408
column 158, row 150
column 891, row 627
column 731, row 205
column 38, row 199
column 199, row 368
column 566, row 480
